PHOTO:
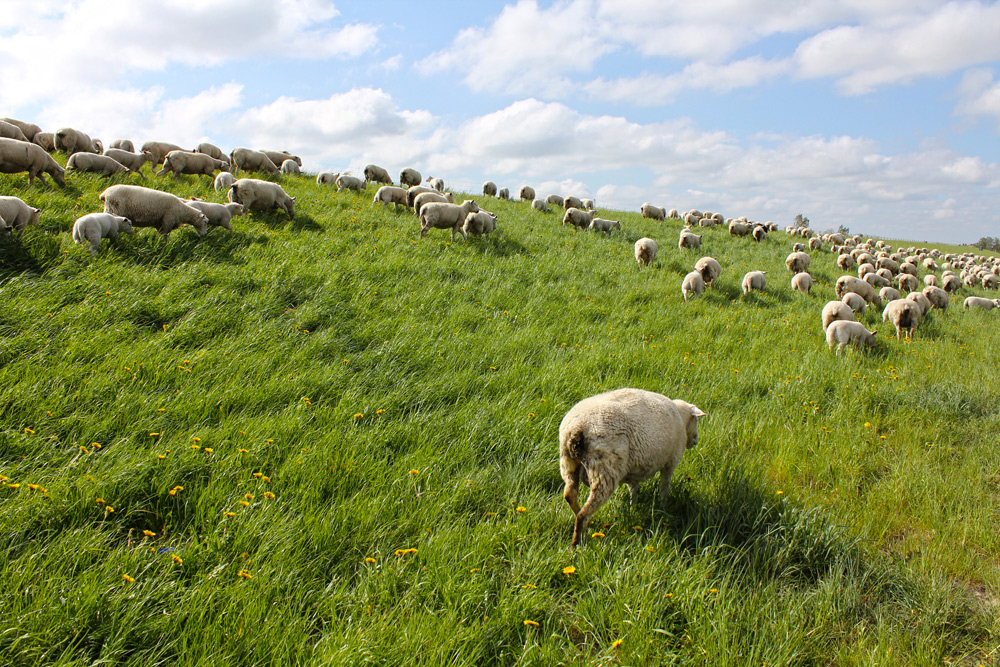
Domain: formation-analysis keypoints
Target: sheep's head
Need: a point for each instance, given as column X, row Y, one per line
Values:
column 690, row 413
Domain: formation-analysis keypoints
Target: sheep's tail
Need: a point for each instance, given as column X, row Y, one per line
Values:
column 577, row 446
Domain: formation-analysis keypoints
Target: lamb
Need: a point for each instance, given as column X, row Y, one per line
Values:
column 257, row 195
column 693, row 284
column 345, row 182
column 604, row 225
column 490, row 189
column 211, row 150
column 526, row 193
column 540, row 205
column 937, row 296
column 645, row 251
column 17, row 156
column 442, row 215
column 122, row 145
column 797, row 262
column 375, row 174
column 504, row 193
column 219, row 215
column 98, row 164
column 290, row 167
column 555, row 200
column 96, row 226
column 754, row 280
column 904, row 315
column 223, row 180
column 477, row 224
column 652, row 212
column 29, row 130
column 836, row 310
column 855, row 302
column 388, row 194
column 574, row 202
column 159, row 149
column 409, row 177
column 802, row 282
column 11, row 131
column 688, row 240
column 578, row 218
column 277, row 157
column 72, row 141
column 847, row 284
column 621, row 437
column 250, row 160
column 46, row 140
column 436, row 183
column 327, row 177
column 187, row 162
column 980, row 302
column 132, row 161
column 146, row 207
column 425, row 198
column 17, row 214
column 843, row 333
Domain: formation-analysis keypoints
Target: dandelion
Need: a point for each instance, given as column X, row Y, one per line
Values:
column 598, row 535
column 174, row 490
column 881, row 437
column 270, row 441
column 306, row 401
column 569, row 569
column 493, row 368
column 404, row 552
column 636, row 527
column 531, row 414
column 474, row 570
column 99, row 501
column 713, row 590
column 249, row 496
column 195, row 447
column 522, row 509
column 196, row 438
column 37, row 487
column 650, row 549
column 370, row 560
column 378, row 412
column 96, row 445
column 148, row 533
column 244, row 503
column 84, row 449
column 160, row 456
column 28, row 430
column 109, row 509
column 868, row 424
column 209, row 450
column 531, row 586
column 245, row 574
column 177, row 559
column 128, row 578
column 778, row 493
column 268, row 495
column 533, row 624
column 258, row 474
column 616, row 643
column 266, row 479
column 414, row 472
column 243, row 451
column 14, row 486
column 358, row 415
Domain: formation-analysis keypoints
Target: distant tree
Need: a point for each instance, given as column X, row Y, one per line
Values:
column 800, row 221
column 988, row 243
column 844, row 229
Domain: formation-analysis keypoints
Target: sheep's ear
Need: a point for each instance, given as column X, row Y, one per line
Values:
column 696, row 412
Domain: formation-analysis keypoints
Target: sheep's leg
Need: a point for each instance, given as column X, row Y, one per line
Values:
column 94, row 236
column 666, row 473
column 633, row 492
column 571, row 492
column 599, row 493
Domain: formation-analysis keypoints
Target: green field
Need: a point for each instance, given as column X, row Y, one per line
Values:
column 325, row 441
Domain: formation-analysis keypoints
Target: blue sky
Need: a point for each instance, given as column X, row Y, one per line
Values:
column 881, row 116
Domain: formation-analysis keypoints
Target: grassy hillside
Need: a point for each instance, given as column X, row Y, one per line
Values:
column 327, row 441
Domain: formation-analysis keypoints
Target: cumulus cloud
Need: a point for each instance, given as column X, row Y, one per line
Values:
column 979, row 95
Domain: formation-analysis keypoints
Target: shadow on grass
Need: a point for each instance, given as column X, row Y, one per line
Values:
column 497, row 245
column 184, row 245
column 30, row 252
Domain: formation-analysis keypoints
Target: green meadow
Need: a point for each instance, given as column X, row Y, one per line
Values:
column 326, row 441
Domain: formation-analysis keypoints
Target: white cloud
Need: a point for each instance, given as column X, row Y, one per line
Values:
column 979, row 95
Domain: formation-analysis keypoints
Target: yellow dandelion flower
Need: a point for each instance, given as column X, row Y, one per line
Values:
column 244, row 503
column 378, row 412
column 668, row 595
column 208, row 450
column 195, row 447
column 28, row 430
column 153, row 435
column 177, row 559
column 258, row 474
column 99, row 501
column 404, row 552
column 245, row 574
column 616, row 643
column 266, row 479
column 270, row 441
column 531, row 586
column 148, row 533
column 306, row 401
column 174, row 490
column 160, row 456
column 636, row 527
column 414, row 472
column 358, row 415
column 881, row 437
column 569, row 569
column 196, row 438
column 84, row 449
column 243, row 451
column 369, row 560
column 868, row 424
column 268, row 495
column 778, row 493
column 13, row 486
column 493, row 368
column 4, row 479
column 230, row 513
column 128, row 578
column 713, row 590
column 650, row 549
column 474, row 570
column 249, row 496
column 522, row 509
column 158, row 409
column 598, row 535
column 533, row 624
column 109, row 509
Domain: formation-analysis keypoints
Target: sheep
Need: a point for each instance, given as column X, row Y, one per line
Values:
column 250, row 160
column 904, row 315
column 737, row 228
column 257, row 195
column 980, row 302
column 845, row 262
column 388, row 194
column 920, row 299
column 759, row 233
column 888, row 294
column 710, row 270
column 159, row 149
column 479, row 223
column 843, row 333
column 588, row 204
column 930, row 280
column 146, row 207
column 876, row 280
column 490, row 189
column 540, row 205
column 277, row 157
column 708, row 222
column 96, row 226
column 578, row 218
column 802, row 282
column 688, row 240
column 526, row 193
column 693, row 284
column 11, row 131
column 29, row 130
column 210, row 149
column 555, row 200
column 345, row 182
column 4, row 228
column 799, row 247
column 504, row 193
column 652, row 212
column 17, row 156
column 409, row 177
column 437, row 183
column 132, row 161
column 574, row 202
column 990, row 281
column 691, row 219
column 425, row 198
column 290, row 167
column 442, row 215
column 855, row 301
column 223, row 180
column 836, row 310
column 621, row 437
column 907, row 282
column 98, row 164
column 645, row 251
column 937, row 296
column 46, row 140
column 815, row 244
column 797, row 262
column 375, row 174
column 72, row 141
column 17, row 214
column 673, row 214
column 847, row 284
column 187, row 162
column 951, row 283
column 219, row 215
column 98, row 146
column 754, row 280
column 604, row 225
column 327, row 177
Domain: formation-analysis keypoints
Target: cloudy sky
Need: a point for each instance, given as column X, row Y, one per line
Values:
column 881, row 115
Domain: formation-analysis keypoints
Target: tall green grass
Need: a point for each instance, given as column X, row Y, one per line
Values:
column 343, row 441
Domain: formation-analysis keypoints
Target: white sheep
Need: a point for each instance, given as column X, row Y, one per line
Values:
column 802, row 282
column 490, row 189
column 93, row 227
column 376, row 174
column 327, row 177
column 413, row 191
column 578, row 218
column 737, row 228
column 588, row 204
column 693, row 284
column 290, row 167
column 672, row 214
column 937, row 296
column 346, row 182
column 258, row 195
column 754, row 280
column 652, row 212
column 97, row 164
column 46, row 140
column 17, row 214
column 436, row 183
column 645, row 251
column 836, row 310
column 208, row 149
column 574, row 202
column 409, row 177
column 877, row 280
column 710, row 270
column 442, row 215
column 18, row 156
column 540, row 205
column 888, row 294
column 951, row 283
column 278, row 157
column 904, row 315
column 526, row 193
column 907, row 282
column 146, row 207
column 71, row 141
column 504, row 193
column 555, row 200
column 159, row 149
column 479, row 223
column 847, row 284
column 759, row 233
column 842, row 333
column 425, row 198
column 248, row 160
column 4, row 228
column 389, row 194
column 990, row 281
column 921, row 299
column 11, row 131
column 688, row 240
column 604, row 225
column 855, row 302
column 133, row 161
column 621, row 437
column 980, row 302
column 219, row 215
column 798, row 262
column 29, row 130
column 223, row 180
column 123, row 145
column 189, row 162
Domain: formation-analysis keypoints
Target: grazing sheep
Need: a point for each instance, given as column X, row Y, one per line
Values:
column 327, row 177
column 845, row 262
column 290, row 167
column 888, row 294
column 693, row 284
column 759, row 234
column 97, row 164
column 951, row 283
column 504, row 193
column 479, row 223
column 574, row 202
column 990, row 281
column 621, row 437
column 425, row 198
column 847, row 284
column 223, row 180
column 937, row 296
column 96, row 226
column 540, row 205
column 843, row 333
column 17, row 214
column 409, row 177
column 802, row 282
column 375, row 174
column 72, row 141
column 29, row 130
column 555, row 200
column 211, row 150
column 737, row 228
column 754, row 280
column 277, row 157
column 710, row 270
column 907, row 282
column 159, row 149
column 604, row 225
column 836, row 310
column 980, row 302
column 219, row 215
column 442, row 215
column 188, row 162
column 4, row 228
column 146, row 207
column 797, row 262
column 18, row 156
column 415, row 190
column 930, row 280
column 132, row 161
column 11, row 131
column 688, row 240
column 257, row 195
column 588, row 204
column 436, row 183
column 652, row 212
column 46, row 140
column 877, row 280
column 526, row 193
column 578, row 218
column 388, row 194
column 920, row 299
column 645, row 251
column 855, row 301
column 904, row 315
column 249, row 160
column 815, row 244
column 490, row 189
column 345, row 182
